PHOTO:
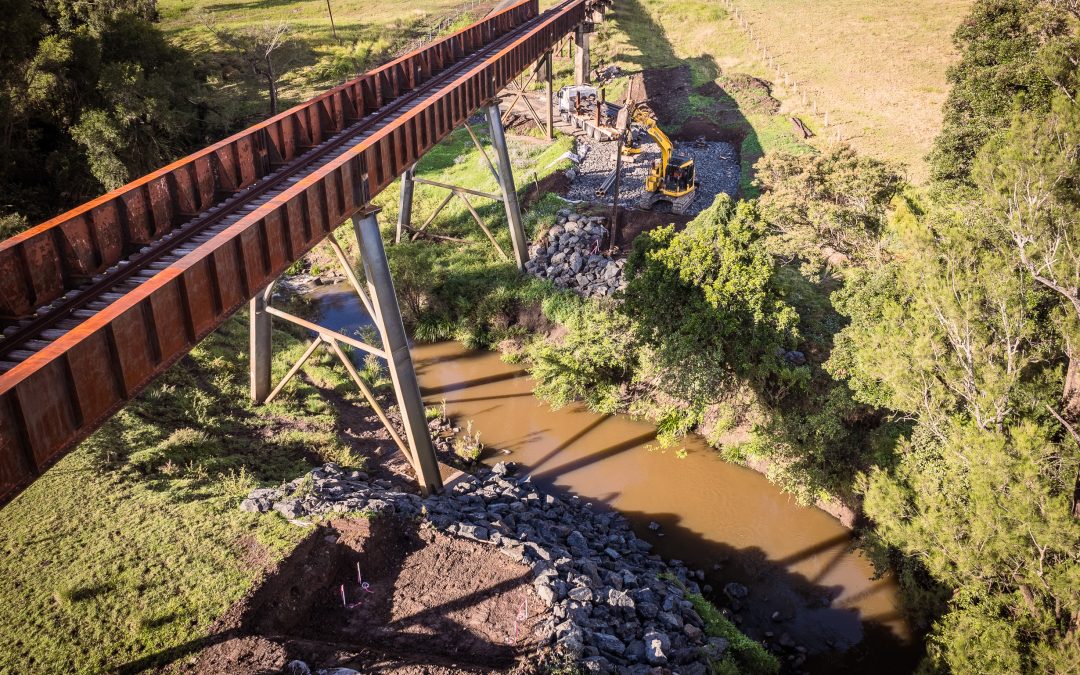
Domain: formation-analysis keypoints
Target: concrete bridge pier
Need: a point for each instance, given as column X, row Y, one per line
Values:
column 581, row 53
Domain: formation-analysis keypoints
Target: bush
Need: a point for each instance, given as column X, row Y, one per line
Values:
column 743, row 654
column 590, row 362
column 706, row 301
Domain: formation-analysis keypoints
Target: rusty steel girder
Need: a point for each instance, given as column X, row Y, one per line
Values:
column 69, row 386
column 40, row 265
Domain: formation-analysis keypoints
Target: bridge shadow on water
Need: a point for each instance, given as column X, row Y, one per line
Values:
column 824, row 600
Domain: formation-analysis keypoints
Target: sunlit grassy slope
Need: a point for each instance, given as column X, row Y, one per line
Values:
column 122, row 555
column 313, row 58
column 878, row 66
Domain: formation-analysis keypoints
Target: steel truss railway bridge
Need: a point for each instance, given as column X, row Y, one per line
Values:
column 99, row 301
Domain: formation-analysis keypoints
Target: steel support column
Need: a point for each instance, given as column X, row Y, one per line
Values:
column 260, row 350
column 396, row 345
column 548, row 68
column 581, row 55
column 404, row 220
column 509, row 190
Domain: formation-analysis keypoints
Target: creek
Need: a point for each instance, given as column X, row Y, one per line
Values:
column 798, row 563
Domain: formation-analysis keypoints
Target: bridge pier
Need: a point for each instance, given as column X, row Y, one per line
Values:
column 503, row 173
column 581, row 53
column 509, row 190
column 405, row 201
column 396, row 345
column 259, row 345
column 549, row 67
column 381, row 303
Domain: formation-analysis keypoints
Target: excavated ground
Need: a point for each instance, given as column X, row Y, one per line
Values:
column 436, row 604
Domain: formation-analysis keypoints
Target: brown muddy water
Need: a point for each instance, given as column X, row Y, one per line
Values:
column 729, row 521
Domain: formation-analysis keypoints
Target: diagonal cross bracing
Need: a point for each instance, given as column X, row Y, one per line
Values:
column 104, row 298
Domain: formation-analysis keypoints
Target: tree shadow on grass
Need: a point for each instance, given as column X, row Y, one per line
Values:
column 297, row 610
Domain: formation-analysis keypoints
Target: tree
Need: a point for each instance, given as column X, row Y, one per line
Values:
column 832, row 202
column 987, row 512
column 707, row 301
column 1030, row 178
column 947, row 329
column 259, row 47
column 1013, row 54
column 92, row 95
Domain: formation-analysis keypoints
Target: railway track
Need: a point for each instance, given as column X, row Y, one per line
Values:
column 22, row 339
column 97, row 302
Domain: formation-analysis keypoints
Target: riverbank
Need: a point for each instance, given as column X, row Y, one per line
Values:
column 796, row 561
column 597, row 595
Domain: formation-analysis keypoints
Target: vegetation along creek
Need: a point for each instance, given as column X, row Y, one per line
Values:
column 802, row 576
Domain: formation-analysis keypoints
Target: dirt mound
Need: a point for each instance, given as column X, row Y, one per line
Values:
column 667, row 90
column 432, row 604
column 753, row 94
column 556, row 183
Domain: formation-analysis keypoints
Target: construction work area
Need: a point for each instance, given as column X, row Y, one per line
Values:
column 716, row 163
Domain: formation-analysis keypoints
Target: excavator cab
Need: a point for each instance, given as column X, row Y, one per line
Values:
column 673, row 177
column 677, row 180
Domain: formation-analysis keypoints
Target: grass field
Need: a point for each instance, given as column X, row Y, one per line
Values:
column 644, row 34
column 312, row 59
column 122, row 554
column 878, row 66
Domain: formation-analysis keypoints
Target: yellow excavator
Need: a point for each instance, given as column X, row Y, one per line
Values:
column 671, row 178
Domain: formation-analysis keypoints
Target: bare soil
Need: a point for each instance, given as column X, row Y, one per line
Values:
column 433, row 604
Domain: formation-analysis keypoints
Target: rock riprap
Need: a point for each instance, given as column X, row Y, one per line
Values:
column 570, row 254
column 612, row 603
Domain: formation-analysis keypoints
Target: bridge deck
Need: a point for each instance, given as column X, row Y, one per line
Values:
column 99, row 301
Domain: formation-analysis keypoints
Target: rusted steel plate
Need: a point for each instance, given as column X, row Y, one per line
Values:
column 62, row 392
column 41, row 264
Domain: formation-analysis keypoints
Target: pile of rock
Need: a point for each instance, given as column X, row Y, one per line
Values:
column 570, row 255
column 327, row 491
column 611, row 602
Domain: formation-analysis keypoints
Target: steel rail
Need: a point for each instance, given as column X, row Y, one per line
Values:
column 80, row 298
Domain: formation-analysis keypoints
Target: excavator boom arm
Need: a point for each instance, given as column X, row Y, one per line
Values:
column 644, row 117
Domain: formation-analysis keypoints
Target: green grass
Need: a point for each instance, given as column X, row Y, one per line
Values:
column 878, row 66
column 132, row 545
column 312, row 60
column 838, row 55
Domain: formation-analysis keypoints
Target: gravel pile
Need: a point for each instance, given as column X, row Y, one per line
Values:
column 715, row 161
column 569, row 254
column 608, row 604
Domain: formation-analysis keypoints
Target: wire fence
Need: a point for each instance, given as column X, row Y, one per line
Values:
column 438, row 28
column 810, row 98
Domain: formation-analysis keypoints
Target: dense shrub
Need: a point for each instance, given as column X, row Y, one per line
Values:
column 705, row 299
column 590, row 362
column 1013, row 53
column 834, row 201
